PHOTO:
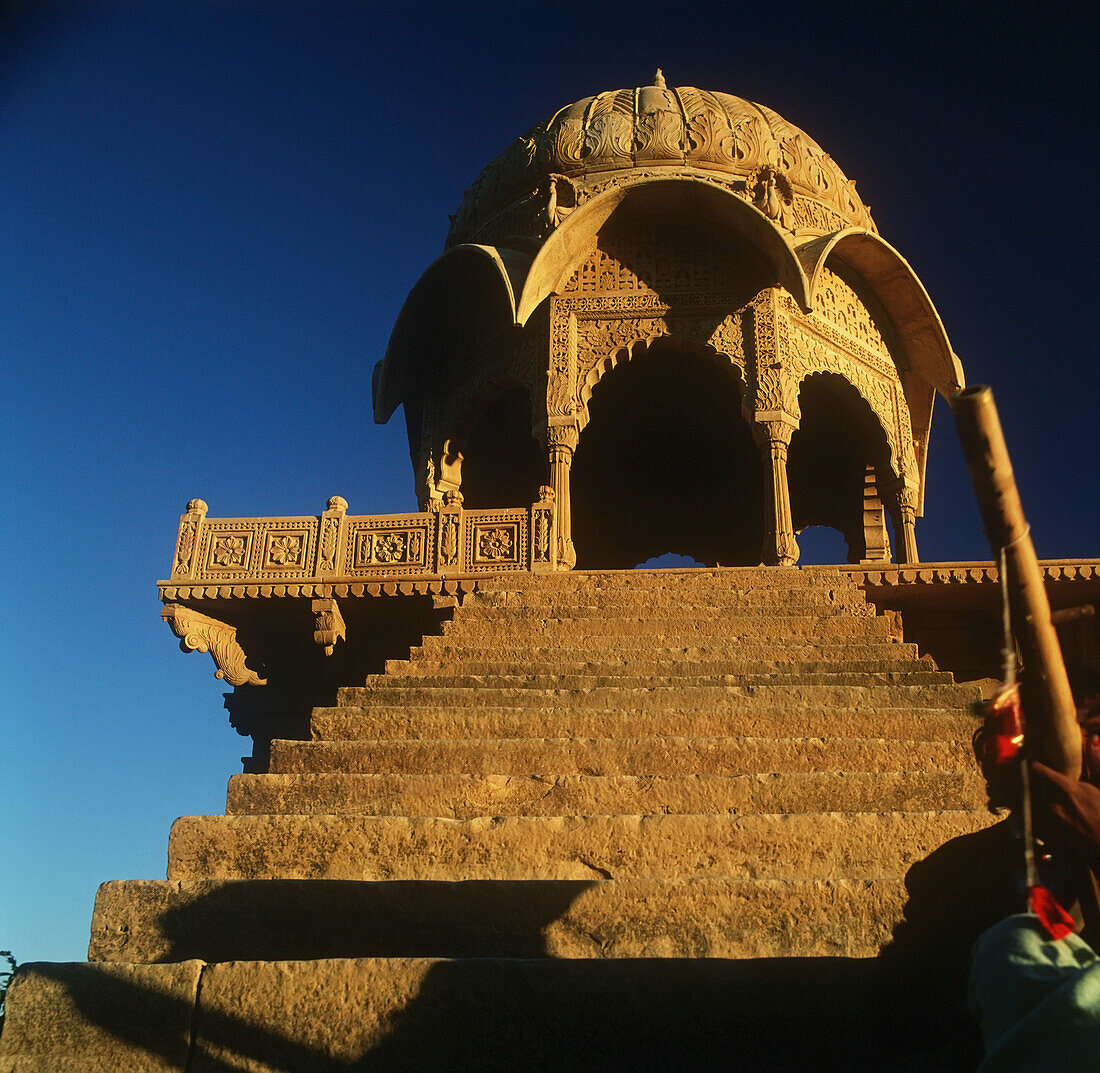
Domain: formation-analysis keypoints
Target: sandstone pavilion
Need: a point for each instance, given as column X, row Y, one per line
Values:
column 514, row 805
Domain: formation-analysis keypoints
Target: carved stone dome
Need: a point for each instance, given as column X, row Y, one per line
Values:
column 655, row 130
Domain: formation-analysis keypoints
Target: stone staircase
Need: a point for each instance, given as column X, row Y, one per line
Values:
column 734, row 765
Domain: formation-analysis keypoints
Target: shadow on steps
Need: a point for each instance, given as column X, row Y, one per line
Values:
column 403, row 1007
column 816, row 1014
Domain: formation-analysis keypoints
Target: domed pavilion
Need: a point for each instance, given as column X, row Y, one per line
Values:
column 500, row 813
column 672, row 307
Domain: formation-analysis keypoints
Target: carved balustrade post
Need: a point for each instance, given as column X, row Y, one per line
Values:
column 907, row 517
column 561, row 442
column 543, row 551
column 773, row 438
column 187, row 541
column 331, row 538
column 449, row 534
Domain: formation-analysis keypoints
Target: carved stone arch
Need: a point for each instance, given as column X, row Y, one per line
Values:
column 859, row 386
column 805, row 352
column 665, row 459
column 841, row 470
column 645, row 335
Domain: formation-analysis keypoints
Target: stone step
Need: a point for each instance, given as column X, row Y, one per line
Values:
column 463, row 797
column 671, row 630
column 494, row 1015
column 399, row 722
column 617, row 756
column 649, row 668
column 584, row 683
column 828, row 845
column 579, row 581
column 776, row 650
column 527, row 693
column 632, row 644
column 667, row 604
column 244, row 920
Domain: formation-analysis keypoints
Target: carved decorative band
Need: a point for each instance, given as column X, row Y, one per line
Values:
column 966, row 573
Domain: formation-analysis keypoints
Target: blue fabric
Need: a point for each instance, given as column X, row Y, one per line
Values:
column 1036, row 999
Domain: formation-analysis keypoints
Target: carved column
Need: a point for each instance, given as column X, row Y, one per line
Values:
column 561, row 442
column 876, row 540
column 907, row 524
column 780, row 546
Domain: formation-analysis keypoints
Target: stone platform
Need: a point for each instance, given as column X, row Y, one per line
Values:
column 624, row 820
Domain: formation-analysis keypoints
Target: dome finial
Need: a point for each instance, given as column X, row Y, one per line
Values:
column 659, row 79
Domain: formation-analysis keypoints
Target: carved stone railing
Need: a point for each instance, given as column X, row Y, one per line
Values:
column 964, row 573
column 223, row 558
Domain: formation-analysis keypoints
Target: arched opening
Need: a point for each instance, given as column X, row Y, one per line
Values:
column 502, row 463
column 667, row 464
column 839, row 459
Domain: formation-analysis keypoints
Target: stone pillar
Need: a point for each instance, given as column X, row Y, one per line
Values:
column 907, row 519
column 876, row 540
column 780, row 546
column 561, row 440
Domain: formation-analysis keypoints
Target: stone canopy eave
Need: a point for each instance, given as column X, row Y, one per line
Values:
column 930, row 365
column 903, row 297
column 467, row 293
column 576, row 236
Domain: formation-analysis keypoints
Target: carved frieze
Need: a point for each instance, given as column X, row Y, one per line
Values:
column 560, row 391
column 838, row 303
column 603, row 340
column 662, row 257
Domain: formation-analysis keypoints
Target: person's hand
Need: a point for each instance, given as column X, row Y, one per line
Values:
column 1074, row 802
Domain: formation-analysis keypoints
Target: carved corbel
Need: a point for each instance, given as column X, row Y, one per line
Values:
column 330, row 624
column 201, row 633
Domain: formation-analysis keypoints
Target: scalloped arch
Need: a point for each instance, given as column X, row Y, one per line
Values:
column 576, row 237
column 896, row 467
column 625, row 353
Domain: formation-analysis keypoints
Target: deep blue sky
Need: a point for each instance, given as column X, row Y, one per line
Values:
column 211, row 213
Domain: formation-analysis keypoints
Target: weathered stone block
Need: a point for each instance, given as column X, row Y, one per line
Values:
column 823, row 846
column 77, row 1018
column 465, row 796
column 403, row 722
column 617, row 756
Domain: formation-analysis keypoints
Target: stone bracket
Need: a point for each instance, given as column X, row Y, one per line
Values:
column 330, row 624
column 201, row 633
